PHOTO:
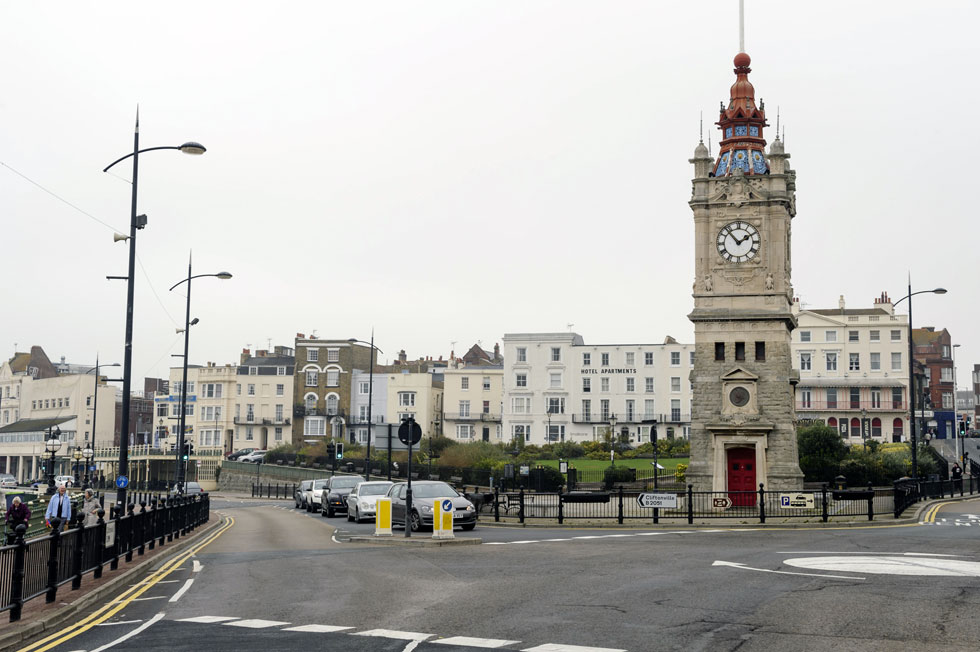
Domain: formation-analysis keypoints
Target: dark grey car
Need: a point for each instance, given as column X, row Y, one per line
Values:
column 333, row 499
column 424, row 494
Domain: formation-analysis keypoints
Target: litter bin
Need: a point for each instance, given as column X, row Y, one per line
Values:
column 840, row 483
column 349, row 466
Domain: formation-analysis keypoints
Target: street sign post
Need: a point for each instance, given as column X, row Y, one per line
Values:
column 409, row 433
column 657, row 500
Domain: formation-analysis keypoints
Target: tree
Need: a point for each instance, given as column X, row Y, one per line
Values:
column 821, row 452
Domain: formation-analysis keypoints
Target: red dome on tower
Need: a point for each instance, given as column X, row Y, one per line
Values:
column 742, row 121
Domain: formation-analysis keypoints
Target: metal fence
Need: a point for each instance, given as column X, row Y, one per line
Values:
column 30, row 568
column 688, row 505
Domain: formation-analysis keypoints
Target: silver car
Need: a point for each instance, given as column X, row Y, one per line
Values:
column 362, row 501
column 313, row 494
column 424, row 494
column 7, row 481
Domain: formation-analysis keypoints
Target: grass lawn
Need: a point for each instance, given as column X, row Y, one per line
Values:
column 636, row 463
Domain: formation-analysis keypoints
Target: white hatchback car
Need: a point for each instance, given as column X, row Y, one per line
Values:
column 67, row 480
column 7, row 481
column 362, row 501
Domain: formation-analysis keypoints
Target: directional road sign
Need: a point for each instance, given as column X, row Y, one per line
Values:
column 657, row 500
column 447, row 505
column 409, row 431
column 122, row 482
column 721, row 503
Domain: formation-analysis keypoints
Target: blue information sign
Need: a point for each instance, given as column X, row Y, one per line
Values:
column 447, row 505
column 122, row 482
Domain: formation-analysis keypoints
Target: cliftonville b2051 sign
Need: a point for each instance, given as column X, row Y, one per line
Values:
column 609, row 370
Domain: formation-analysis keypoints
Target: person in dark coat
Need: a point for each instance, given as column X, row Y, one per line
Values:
column 18, row 513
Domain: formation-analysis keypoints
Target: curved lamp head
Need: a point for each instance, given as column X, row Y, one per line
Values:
column 193, row 148
column 939, row 291
column 224, row 276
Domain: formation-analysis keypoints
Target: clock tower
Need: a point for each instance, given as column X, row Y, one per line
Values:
column 743, row 431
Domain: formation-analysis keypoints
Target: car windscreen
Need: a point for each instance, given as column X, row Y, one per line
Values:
column 434, row 490
column 345, row 483
column 373, row 489
column 320, row 484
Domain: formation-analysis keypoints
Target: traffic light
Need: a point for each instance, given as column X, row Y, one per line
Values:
column 188, row 450
column 340, row 450
column 962, row 428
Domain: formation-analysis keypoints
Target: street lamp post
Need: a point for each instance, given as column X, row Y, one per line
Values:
column 77, row 456
column 957, row 440
column 612, row 440
column 52, row 445
column 915, row 443
column 367, row 456
column 864, row 433
column 136, row 222
column 95, row 411
column 88, row 454
column 183, row 386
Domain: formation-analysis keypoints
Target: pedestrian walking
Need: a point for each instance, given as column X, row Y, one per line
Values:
column 90, row 508
column 59, row 508
column 957, row 473
column 18, row 513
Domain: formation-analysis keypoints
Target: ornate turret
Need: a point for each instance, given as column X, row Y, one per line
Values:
column 742, row 147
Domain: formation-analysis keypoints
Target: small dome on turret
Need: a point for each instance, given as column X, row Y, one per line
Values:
column 776, row 147
column 701, row 151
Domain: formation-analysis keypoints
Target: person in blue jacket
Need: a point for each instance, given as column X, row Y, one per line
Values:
column 59, row 507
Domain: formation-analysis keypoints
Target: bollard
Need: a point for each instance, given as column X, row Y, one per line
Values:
column 496, row 504
column 520, row 511
column 114, row 515
column 561, row 509
column 77, row 554
column 142, row 534
column 382, row 519
column 100, row 543
column 442, row 518
column 762, row 503
column 824, row 500
column 17, row 586
column 871, row 503
column 690, row 504
column 619, row 515
column 53, row 560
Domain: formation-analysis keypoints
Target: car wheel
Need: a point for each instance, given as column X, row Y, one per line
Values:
column 416, row 522
column 330, row 512
column 469, row 526
column 350, row 517
column 323, row 512
column 357, row 515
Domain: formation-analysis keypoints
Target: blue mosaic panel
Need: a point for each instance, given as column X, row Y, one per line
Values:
column 741, row 130
column 723, row 165
column 758, row 163
column 753, row 130
column 741, row 160
column 728, row 132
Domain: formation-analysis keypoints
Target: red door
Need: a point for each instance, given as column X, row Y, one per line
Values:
column 741, row 476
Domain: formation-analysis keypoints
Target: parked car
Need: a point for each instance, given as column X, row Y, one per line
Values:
column 313, row 500
column 237, row 454
column 299, row 496
column 67, row 480
column 189, row 488
column 253, row 457
column 424, row 494
column 7, row 481
column 333, row 498
column 362, row 501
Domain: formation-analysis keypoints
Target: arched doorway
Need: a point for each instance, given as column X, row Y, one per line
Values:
column 741, row 476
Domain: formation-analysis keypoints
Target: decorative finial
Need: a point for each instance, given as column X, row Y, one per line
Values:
column 741, row 25
column 701, row 128
column 777, row 121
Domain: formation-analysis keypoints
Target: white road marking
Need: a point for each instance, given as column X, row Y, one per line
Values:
column 130, row 634
column 121, row 622
column 394, row 633
column 207, row 619
column 767, row 570
column 182, row 590
column 160, row 582
column 558, row 647
column 862, row 552
column 318, row 629
column 891, row 565
column 197, row 566
column 475, row 642
column 256, row 623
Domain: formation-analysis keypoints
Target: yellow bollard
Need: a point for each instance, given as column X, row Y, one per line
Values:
column 442, row 519
column 382, row 521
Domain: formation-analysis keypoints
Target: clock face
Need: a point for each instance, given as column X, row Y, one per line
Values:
column 738, row 242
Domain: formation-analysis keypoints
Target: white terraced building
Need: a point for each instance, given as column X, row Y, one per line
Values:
column 558, row 388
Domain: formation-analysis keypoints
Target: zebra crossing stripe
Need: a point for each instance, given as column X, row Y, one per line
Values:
column 318, row 629
column 256, row 623
column 475, row 642
column 394, row 633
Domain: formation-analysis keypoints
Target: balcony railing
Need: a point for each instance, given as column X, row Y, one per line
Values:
column 846, row 405
column 636, row 418
column 376, row 419
column 301, row 411
column 472, row 416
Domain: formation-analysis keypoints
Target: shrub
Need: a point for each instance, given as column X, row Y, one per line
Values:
column 597, row 455
column 821, row 452
column 551, row 478
column 566, row 450
column 681, row 473
column 615, row 474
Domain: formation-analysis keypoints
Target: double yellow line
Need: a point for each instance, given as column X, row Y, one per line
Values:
column 112, row 608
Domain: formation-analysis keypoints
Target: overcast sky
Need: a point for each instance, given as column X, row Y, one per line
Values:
column 453, row 171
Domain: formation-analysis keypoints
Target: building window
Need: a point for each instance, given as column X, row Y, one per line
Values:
column 238, row 389
column 675, row 410
column 520, row 405
column 521, row 431
column 522, row 354
column 631, row 384
column 312, row 426
column 692, row 358
column 630, row 358
column 406, row 399
column 464, row 382
column 739, row 350
column 464, row 409
column 605, row 359
column 556, row 432
column 804, row 336
column 555, row 354
column 852, row 336
column 648, row 358
column 630, row 410
column 604, row 409
column 520, row 380
column 896, row 336
column 945, row 350
column 675, row 358
column 831, row 361
column 363, row 388
column 855, row 398
column 249, row 435
column 464, row 431
column 333, row 378
column 162, row 409
column 586, row 410
column 876, row 427
column 875, row 336
column 279, row 408
column 312, row 355
column 830, row 336
column 332, row 402
column 310, row 401
column 586, row 359
column 875, row 361
column 278, row 434
column 362, row 412
column 719, row 351
column 280, row 371
column 854, row 362
column 946, row 375
column 648, row 385
column 648, row 412
column 280, row 389
column 250, row 412
column 805, row 360
column 556, row 405
column 252, row 371
column 604, row 384
column 832, row 398
column 947, row 400
column 333, row 355
column 760, row 351
column 806, row 399
column 897, row 403
column 555, row 380
column 486, row 407
column 675, row 384
column 311, row 379
column 897, row 361
column 486, row 383
column 586, row 385
column 876, row 398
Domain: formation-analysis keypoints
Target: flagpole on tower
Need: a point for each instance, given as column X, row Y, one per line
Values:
column 741, row 25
